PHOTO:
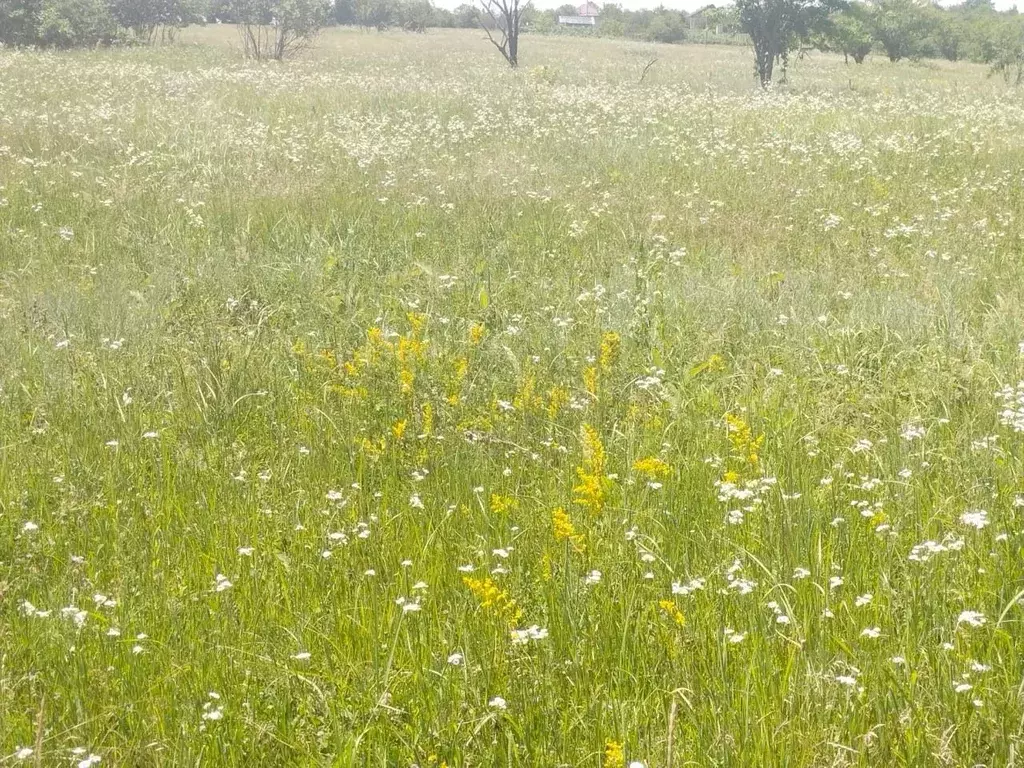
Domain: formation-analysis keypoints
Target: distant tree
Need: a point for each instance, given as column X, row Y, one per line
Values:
column 73, row 23
column 948, row 34
column 344, row 12
column 506, row 17
column 375, row 14
column 278, row 29
column 1008, row 46
column 146, row 17
column 848, row 31
column 467, row 16
column 900, row 27
column 777, row 27
column 666, row 26
column 19, row 21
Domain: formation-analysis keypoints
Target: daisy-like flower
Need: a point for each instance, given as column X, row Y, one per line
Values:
column 971, row 618
column 975, row 518
column 221, row 582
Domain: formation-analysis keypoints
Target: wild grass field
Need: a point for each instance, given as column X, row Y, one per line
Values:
column 390, row 408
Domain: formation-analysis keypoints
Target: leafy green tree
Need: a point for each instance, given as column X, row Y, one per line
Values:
column 1008, row 51
column 278, row 29
column 145, row 17
column 949, row 34
column 345, row 12
column 848, row 31
column 666, row 26
column 19, row 21
column 74, row 23
column 777, row 27
column 466, row 16
column 377, row 14
column 900, row 27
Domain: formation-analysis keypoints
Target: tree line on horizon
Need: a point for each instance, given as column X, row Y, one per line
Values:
column 898, row 29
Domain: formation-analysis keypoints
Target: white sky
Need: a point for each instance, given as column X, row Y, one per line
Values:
column 685, row 5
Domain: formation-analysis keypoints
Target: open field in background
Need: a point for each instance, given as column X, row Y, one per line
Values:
column 390, row 408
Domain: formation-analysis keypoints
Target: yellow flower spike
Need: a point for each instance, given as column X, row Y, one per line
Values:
column 557, row 398
column 525, row 399
column 745, row 447
column 668, row 607
column 406, row 378
column 493, row 599
column 398, row 429
column 652, row 467
column 614, row 757
column 416, row 321
column 590, row 491
column 502, row 504
column 564, row 530
column 590, row 380
column 611, row 344
column 545, row 567
column 593, row 449
column 476, row 333
column 427, row 418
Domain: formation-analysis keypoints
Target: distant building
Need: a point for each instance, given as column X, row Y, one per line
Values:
column 712, row 19
column 699, row 18
column 586, row 16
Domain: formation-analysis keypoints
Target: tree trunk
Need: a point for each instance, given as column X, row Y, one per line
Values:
column 513, row 47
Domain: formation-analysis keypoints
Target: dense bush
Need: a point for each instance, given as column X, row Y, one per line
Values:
column 76, row 23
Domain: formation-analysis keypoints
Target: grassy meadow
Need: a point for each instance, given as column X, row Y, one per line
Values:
column 389, row 408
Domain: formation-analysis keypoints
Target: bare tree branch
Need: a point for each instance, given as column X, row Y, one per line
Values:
column 506, row 16
column 647, row 68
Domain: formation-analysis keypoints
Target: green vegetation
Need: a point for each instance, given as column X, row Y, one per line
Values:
column 391, row 407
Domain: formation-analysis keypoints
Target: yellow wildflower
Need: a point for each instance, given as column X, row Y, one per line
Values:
column 611, row 344
column 564, row 530
column 502, row 504
column 416, row 321
column 745, row 446
column 406, row 377
column 427, row 418
column 590, row 380
column 613, row 755
column 714, row 364
column 398, row 429
column 652, row 466
column 670, row 610
column 493, row 599
column 557, row 397
column 590, row 491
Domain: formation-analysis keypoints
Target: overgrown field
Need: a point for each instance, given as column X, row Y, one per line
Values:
column 387, row 407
